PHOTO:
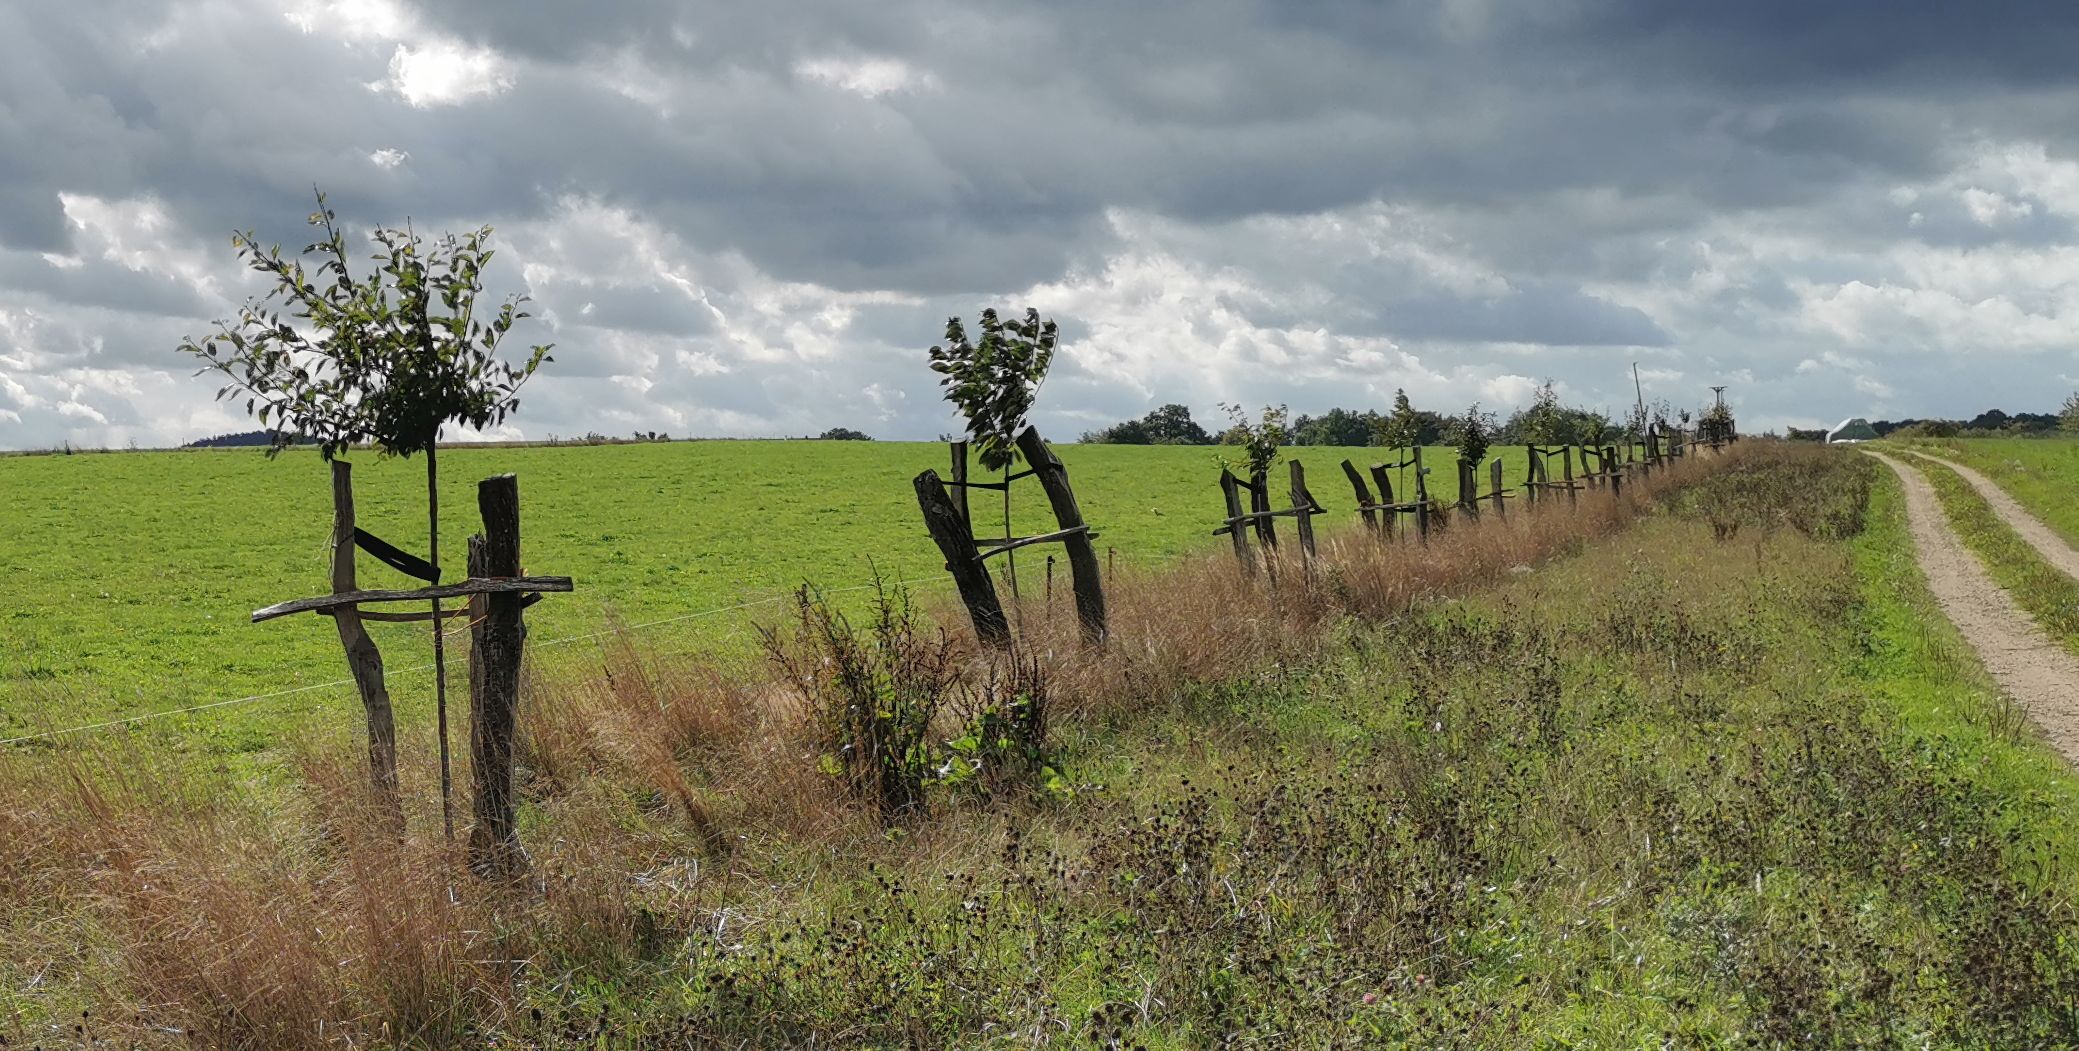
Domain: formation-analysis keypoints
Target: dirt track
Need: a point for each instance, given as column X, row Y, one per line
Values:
column 2039, row 536
column 2033, row 670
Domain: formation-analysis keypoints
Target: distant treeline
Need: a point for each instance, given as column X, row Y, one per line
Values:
column 1987, row 423
column 243, row 439
column 1545, row 421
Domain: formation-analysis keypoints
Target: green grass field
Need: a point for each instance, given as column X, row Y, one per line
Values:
column 130, row 576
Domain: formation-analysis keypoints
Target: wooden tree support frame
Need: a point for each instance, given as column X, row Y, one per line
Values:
column 945, row 510
column 498, row 592
column 1469, row 495
column 1261, row 516
column 1538, row 480
column 1380, row 515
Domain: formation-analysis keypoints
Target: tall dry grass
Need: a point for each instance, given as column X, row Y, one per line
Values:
column 236, row 915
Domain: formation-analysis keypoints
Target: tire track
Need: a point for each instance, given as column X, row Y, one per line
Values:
column 2035, row 672
column 2039, row 536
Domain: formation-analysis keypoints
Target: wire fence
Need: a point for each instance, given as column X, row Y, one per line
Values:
column 452, row 661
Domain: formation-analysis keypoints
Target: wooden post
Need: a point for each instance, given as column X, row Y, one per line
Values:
column 1303, row 503
column 1387, row 519
column 1085, row 573
column 959, row 486
column 1421, row 498
column 1231, row 492
column 963, row 560
column 1494, row 474
column 1566, row 464
column 498, row 638
column 1259, row 502
column 1468, row 490
column 1616, row 471
column 363, row 659
column 1364, row 498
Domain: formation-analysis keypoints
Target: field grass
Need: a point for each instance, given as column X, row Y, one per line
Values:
column 1667, row 791
column 2041, row 474
column 130, row 576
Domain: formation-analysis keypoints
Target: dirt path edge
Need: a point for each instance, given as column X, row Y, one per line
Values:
column 2037, row 673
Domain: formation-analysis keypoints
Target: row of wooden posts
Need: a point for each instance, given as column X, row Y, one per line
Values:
column 1250, row 511
column 497, row 590
column 1601, row 466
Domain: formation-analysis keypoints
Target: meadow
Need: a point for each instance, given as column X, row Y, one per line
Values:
column 1591, row 777
column 130, row 576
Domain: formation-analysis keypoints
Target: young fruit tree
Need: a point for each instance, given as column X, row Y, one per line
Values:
column 993, row 382
column 389, row 357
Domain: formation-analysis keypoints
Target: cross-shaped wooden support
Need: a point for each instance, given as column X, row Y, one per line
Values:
column 946, row 518
column 1261, row 517
column 1385, row 508
column 497, row 592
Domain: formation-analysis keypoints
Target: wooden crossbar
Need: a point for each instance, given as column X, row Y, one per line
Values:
column 422, row 615
column 1397, row 508
column 396, row 558
column 1014, row 543
column 1005, row 484
column 1253, row 516
column 472, row 586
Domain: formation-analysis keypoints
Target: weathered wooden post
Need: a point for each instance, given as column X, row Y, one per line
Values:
column 1304, row 509
column 363, row 659
column 959, row 486
column 1085, row 573
column 1260, row 505
column 1364, row 498
column 498, row 636
column 1388, row 520
column 1231, row 492
column 1421, row 497
column 1566, row 464
column 950, row 531
column 1468, row 490
column 1500, row 496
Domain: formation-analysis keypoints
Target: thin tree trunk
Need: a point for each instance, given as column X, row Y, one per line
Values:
column 1010, row 558
column 440, row 667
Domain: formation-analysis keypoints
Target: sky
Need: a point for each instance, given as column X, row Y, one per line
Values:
column 746, row 218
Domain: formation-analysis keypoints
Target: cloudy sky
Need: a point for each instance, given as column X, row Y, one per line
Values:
column 741, row 217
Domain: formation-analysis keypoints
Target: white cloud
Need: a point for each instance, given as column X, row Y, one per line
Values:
column 1994, row 209
column 868, row 77
column 388, row 158
column 445, row 72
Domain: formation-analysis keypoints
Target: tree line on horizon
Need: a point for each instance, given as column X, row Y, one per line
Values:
column 1545, row 421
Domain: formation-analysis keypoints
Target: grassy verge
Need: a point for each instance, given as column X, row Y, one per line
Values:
column 2050, row 596
column 1668, row 791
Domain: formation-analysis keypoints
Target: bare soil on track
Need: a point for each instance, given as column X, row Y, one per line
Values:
column 2036, row 672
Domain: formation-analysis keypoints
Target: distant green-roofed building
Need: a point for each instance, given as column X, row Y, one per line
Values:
column 1852, row 430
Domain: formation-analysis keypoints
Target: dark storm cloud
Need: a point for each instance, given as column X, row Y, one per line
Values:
column 742, row 215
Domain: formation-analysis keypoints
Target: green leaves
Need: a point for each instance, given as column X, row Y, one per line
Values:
column 389, row 359
column 993, row 381
column 1259, row 441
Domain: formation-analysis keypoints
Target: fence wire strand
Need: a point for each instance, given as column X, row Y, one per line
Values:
column 411, row 669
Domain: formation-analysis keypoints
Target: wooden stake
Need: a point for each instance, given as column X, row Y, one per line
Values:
column 963, row 560
column 363, row 659
column 498, row 639
column 1304, row 501
column 1231, row 492
column 1084, row 572
column 1364, row 498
